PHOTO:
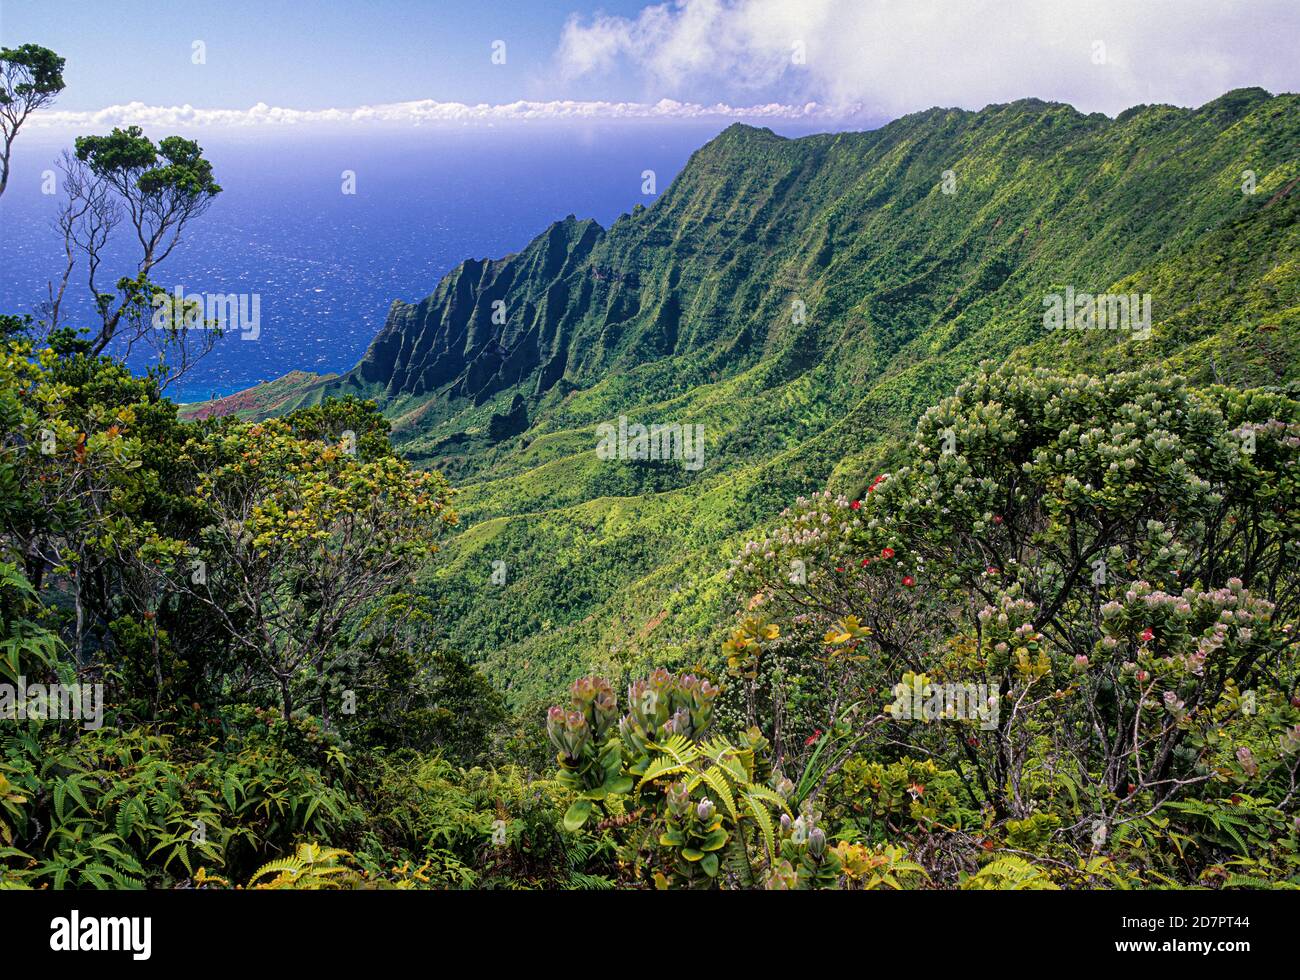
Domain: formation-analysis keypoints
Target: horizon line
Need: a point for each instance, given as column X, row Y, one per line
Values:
column 433, row 112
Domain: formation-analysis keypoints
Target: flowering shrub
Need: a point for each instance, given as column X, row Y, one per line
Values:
column 1113, row 558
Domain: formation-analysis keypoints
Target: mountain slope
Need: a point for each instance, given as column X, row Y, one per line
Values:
column 804, row 300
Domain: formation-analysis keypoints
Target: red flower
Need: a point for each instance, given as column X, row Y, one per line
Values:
column 839, row 569
column 866, row 562
column 886, row 552
column 855, row 505
column 909, row 581
column 813, row 737
column 1147, row 635
column 991, row 570
column 997, row 518
column 973, row 742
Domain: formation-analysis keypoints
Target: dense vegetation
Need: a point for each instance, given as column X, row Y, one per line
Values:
column 1039, row 632
column 686, row 312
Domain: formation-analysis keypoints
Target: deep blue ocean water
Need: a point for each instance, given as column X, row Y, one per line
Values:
column 327, row 265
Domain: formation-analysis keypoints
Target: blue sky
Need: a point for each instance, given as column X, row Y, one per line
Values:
column 311, row 55
column 829, row 59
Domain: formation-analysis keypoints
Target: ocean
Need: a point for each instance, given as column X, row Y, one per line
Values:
column 326, row 265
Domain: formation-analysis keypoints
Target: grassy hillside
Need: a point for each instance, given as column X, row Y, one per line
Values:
column 804, row 300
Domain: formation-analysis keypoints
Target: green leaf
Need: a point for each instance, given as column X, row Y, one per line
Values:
column 577, row 815
column 715, row 841
column 619, row 785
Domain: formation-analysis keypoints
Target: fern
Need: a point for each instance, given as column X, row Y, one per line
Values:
column 716, row 779
column 755, row 808
column 662, row 766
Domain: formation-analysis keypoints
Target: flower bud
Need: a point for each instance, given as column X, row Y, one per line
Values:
column 799, row 831
column 568, row 731
column 605, row 711
column 782, row 877
column 1247, row 760
column 555, row 726
column 679, row 798
column 679, row 723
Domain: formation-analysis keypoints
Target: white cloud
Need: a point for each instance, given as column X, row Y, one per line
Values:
column 897, row 56
column 417, row 113
column 865, row 60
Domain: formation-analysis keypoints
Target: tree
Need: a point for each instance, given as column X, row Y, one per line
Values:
column 157, row 190
column 302, row 537
column 65, row 452
column 30, row 78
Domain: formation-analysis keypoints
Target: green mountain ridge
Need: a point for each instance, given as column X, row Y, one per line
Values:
column 804, row 300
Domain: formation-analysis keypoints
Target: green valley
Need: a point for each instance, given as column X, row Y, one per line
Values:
column 804, row 300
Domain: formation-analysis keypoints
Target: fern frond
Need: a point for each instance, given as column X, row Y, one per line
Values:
column 663, row 766
column 761, row 792
column 717, row 781
column 755, row 808
column 292, row 866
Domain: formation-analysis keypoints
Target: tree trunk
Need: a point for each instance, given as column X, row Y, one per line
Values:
column 286, row 699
